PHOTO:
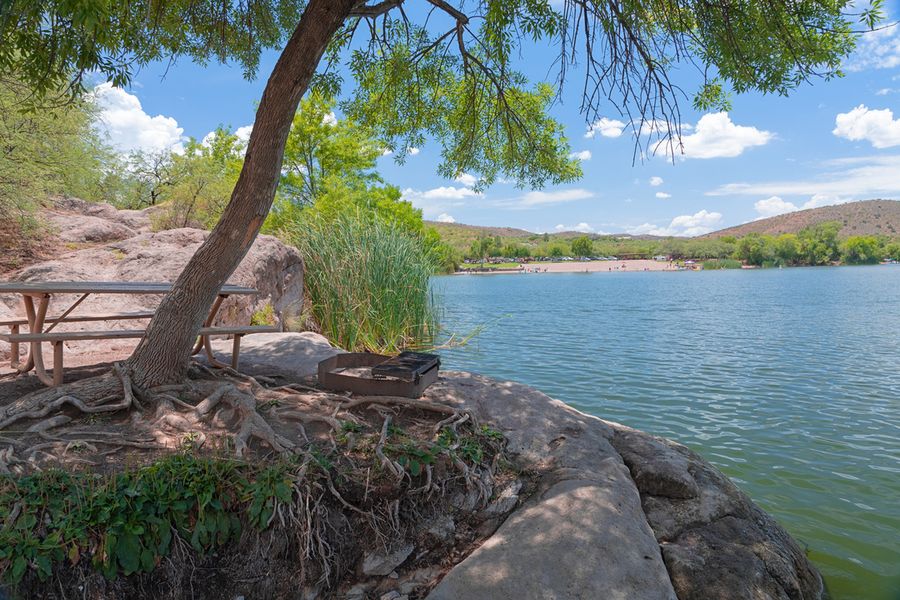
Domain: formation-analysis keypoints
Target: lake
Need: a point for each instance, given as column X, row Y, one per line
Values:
column 786, row 379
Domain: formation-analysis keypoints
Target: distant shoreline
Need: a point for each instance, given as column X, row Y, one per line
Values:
column 593, row 266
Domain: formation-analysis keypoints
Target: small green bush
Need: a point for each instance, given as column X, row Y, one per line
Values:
column 126, row 521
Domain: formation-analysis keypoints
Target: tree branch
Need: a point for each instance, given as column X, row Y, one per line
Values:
column 374, row 10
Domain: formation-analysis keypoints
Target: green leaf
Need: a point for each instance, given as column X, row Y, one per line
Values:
column 128, row 553
column 44, row 566
column 148, row 560
column 18, row 569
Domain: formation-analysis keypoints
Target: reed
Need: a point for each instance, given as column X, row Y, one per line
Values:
column 367, row 283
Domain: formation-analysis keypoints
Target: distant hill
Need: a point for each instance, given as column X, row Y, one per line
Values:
column 461, row 236
column 868, row 217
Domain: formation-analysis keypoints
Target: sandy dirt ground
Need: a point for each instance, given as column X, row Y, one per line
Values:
column 595, row 266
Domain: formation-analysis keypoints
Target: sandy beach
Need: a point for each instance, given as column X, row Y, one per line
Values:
column 594, row 266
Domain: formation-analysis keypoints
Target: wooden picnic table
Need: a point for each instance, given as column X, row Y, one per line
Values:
column 43, row 292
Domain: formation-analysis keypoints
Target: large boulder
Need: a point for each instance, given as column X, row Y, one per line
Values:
column 271, row 267
column 616, row 512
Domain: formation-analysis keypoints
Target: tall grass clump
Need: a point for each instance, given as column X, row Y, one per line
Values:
column 366, row 282
column 721, row 263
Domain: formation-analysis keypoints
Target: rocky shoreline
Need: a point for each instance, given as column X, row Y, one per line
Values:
column 614, row 512
column 607, row 512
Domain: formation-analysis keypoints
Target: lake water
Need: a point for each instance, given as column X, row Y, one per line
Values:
column 787, row 380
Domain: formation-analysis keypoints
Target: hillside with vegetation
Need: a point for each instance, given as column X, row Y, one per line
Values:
column 868, row 217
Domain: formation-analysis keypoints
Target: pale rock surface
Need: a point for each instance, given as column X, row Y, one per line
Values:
column 618, row 513
column 271, row 267
column 294, row 354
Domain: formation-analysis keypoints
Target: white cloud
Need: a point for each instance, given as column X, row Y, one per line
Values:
column 698, row 223
column 330, row 119
column 412, row 151
column 716, row 136
column 876, row 50
column 466, row 179
column 387, row 152
column 580, row 227
column 663, row 195
column 611, row 128
column 885, row 91
column 129, row 128
column 445, row 218
column 656, row 181
column 439, row 200
column 536, row 198
column 773, row 206
column 583, row 155
column 849, row 178
column 877, row 127
column 243, row 133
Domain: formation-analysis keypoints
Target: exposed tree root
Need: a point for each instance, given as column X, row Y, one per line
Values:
column 223, row 403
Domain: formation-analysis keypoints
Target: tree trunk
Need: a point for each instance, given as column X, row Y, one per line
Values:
column 163, row 355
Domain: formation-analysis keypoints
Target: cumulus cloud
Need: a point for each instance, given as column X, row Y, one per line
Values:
column 698, row 223
column 537, row 198
column 848, row 178
column 663, row 195
column 243, row 133
column 466, row 179
column 878, row 127
column 580, row 227
column 583, row 155
column 445, row 218
column 129, row 128
column 656, row 181
column 611, row 128
column 412, row 151
column 876, row 50
column 773, row 206
column 716, row 136
column 330, row 119
column 439, row 200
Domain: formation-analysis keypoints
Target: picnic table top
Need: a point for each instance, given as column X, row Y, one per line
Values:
column 103, row 287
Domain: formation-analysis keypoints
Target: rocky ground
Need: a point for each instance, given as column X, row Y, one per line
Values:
column 615, row 512
column 96, row 242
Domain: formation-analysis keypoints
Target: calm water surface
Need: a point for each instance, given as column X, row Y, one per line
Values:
column 788, row 380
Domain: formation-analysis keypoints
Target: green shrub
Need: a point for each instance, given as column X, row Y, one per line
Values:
column 367, row 282
column 721, row 263
column 125, row 522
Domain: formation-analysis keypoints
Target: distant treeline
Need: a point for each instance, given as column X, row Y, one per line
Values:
column 815, row 245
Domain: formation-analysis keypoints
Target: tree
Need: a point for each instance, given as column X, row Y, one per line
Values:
column 818, row 245
column 44, row 152
column 786, row 249
column 452, row 79
column 320, row 147
column 200, row 181
column 861, row 250
column 892, row 250
column 582, row 246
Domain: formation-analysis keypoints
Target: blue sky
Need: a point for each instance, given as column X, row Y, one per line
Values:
column 832, row 141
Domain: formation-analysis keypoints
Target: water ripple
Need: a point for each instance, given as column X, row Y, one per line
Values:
column 787, row 380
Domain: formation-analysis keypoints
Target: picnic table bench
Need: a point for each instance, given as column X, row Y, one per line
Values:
column 36, row 319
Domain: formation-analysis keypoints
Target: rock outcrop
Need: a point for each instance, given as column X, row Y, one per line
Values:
column 100, row 243
column 617, row 513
